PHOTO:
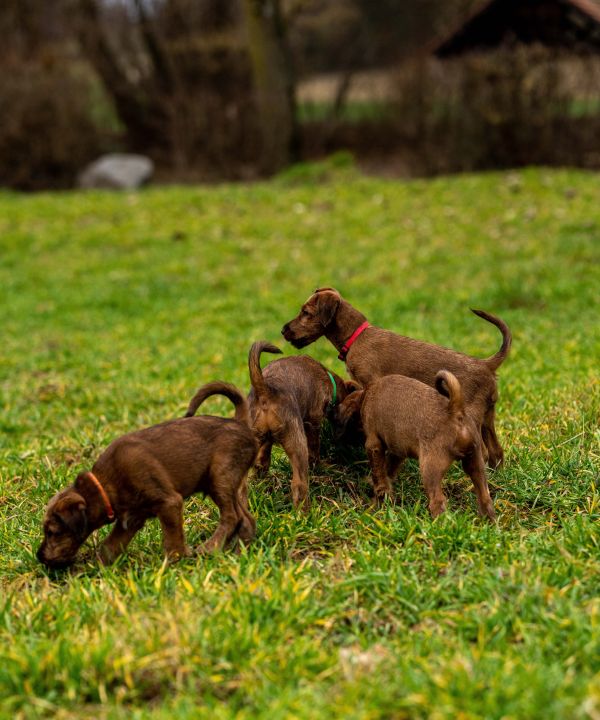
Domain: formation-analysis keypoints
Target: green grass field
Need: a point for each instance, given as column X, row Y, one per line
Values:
column 116, row 307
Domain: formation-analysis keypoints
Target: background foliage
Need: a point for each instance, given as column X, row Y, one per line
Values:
column 235, row 89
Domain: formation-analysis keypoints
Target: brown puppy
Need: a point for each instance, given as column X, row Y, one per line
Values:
column 374, row 353
column 402, row 417
column 148, row 473
column 288, row 403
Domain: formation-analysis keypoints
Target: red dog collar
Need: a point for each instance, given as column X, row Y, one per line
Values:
column 107, row 506
column 348, row 344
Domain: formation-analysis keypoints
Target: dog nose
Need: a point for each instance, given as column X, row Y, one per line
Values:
column 284, row 329
column 39, row 554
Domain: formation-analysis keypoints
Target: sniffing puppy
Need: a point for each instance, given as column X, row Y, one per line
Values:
column 148, row 473
column 371, row 352
column 402, row 417
column 288, row 401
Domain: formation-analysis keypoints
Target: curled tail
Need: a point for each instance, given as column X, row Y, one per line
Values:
column 221, row 388
column 447, row 384
column 496, row 360
column 256, row 376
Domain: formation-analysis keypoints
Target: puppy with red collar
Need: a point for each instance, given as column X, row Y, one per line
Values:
column 371, row 352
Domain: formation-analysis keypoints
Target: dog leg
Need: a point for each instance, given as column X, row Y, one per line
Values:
column 484, row 449
column 170, row 515
column 474, row 466
column 392, row 465
column 295, row 446
column 119, row 538
column 225, row 495
column 382, row 484
column 313, row 440
column 488, row 434
column 263, row 459
column 243, row 492
column 246, row 522
column 433, row 470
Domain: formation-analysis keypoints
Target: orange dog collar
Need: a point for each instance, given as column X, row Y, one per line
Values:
column 109, row 510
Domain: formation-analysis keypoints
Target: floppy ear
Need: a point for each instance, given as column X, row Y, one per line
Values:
column 355, row 400
column 347, row 409
column 73, row 516
column 328, row 302
column 352, row 386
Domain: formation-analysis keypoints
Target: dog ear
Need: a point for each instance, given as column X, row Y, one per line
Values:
column 347, row 409
column 328, row 302
column 352, row 386
column 72, row 514
column 341, row 418
column 355, row 400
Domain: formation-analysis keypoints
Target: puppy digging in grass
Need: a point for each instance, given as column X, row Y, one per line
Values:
column 148, row 473
column 288, row 402
column 402, row 417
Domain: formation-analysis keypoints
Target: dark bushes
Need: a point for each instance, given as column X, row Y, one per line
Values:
column 514, row 107
column 47, row 129
column 519, row 106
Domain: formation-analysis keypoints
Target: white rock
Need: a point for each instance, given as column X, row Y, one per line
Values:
column 117, row 171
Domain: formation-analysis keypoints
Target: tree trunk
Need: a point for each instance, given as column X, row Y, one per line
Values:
column 273, row 81
column 140, row 111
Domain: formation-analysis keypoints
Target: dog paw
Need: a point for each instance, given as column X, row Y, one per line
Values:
column 303, row 505
column 174, row 556
column 381, row 499
column 210, row 546
column 437, row 509
column 494, row 461
column 247, row 533
column 105, row 556
column 487, row 511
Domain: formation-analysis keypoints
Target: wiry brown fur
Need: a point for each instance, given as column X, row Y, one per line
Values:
column 402, row 417
column 148, row 473
column 288, row 402
column 377, row 352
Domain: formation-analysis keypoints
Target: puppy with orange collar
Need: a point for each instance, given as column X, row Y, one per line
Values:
column 148, row 473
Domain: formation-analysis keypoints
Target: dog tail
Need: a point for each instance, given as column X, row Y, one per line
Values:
column 447, row 384
column 496, row 360
column 221, row 388
column 256, row 376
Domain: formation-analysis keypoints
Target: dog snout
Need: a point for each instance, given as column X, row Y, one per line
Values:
column 42, row 556
column 285, row 329
column 56, row 564
column 45, row 556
